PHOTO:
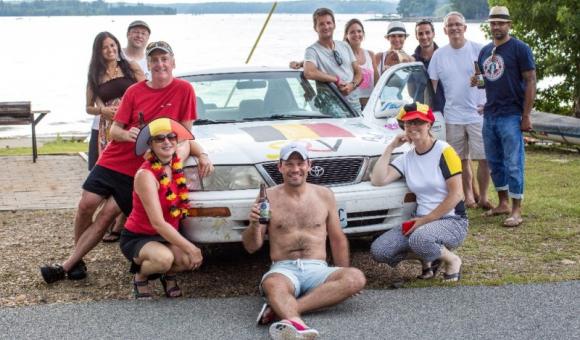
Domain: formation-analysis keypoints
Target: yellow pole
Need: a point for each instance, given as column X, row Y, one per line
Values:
column 254, row 47
column 262, row 31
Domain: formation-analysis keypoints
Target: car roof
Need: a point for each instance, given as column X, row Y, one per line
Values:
column 237, row 69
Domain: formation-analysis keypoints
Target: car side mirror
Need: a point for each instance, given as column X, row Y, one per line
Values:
column 389, row 109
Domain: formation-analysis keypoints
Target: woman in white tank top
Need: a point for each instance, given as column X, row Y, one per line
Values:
column 354, row 34
column 396, row 35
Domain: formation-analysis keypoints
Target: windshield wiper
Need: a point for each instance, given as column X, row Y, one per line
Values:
column 282, row 116
column 212, row 121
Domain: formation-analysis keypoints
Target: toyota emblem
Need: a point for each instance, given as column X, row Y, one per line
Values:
column 316, row 171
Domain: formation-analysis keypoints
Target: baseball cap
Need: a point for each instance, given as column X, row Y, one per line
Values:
column 158, row 45
column 416, row 111
column 499, row 13
column 291, row 148
column 396, row 27
column 139, row 23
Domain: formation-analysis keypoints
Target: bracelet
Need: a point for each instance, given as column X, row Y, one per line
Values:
column 204, row 153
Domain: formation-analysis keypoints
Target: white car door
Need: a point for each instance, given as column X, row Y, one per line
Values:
column 401, row 84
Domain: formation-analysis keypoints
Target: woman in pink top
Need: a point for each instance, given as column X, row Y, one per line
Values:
column 151, row 239
column 354, row 34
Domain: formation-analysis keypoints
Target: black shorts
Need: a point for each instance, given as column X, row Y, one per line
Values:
column 105, row 182
column 131, row 244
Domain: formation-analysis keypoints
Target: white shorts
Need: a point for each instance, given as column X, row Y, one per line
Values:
column 467, row 140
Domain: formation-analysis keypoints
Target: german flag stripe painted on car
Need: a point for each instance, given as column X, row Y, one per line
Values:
column 295, row 132
column 329, row 130
column 450, row 162
column 264, row 133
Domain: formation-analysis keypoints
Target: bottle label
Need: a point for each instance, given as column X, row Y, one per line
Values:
column 265, row 210
column 480, row 81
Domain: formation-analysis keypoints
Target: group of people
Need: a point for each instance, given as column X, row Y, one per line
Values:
column 476, row 117
column 139, row 172
column 145, row 122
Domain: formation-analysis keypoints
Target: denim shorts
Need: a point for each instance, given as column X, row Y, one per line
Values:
column 304, row 274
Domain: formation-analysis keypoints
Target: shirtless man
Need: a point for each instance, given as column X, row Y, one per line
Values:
column 303, row 215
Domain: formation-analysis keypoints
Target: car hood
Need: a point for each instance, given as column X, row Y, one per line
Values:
column 261, row 141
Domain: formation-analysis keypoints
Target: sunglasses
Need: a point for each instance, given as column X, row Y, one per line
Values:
column 414, row 122
column 337, row 57
column 172, row 137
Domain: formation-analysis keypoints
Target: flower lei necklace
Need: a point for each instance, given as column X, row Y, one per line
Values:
column 179, row 201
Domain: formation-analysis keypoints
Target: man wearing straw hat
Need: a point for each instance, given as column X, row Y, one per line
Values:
column 111, row 180
column 332, row 61
column 510, row 84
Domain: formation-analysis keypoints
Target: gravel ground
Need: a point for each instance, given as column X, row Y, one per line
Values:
column 29, row 239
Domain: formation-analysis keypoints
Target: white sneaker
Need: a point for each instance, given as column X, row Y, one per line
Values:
column 285, row 330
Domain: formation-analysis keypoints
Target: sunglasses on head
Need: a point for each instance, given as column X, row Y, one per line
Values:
column 172, row 137
column 337, row 57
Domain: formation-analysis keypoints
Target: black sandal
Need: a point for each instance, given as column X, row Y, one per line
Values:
column 433, row 270
column 168, row 292
column 112, row 236
column 138, row 295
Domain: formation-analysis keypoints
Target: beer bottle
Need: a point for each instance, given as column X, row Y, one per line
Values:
column 478, row 76
column 264, row 205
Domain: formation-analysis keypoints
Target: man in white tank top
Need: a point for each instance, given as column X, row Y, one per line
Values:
column 138, row 34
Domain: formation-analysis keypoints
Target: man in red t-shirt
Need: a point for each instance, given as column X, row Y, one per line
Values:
column 111, row 180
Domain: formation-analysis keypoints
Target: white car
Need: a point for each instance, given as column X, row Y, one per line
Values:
column 246, row 115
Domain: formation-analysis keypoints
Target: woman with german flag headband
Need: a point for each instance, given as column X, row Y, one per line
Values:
column 430, row 169
column 151, row 238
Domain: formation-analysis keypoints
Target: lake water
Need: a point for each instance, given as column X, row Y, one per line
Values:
column 45, row 59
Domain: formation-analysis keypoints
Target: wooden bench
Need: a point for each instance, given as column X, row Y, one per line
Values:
column 19, row 113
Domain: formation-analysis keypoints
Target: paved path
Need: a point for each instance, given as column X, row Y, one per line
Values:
column 53, row 182
column 546, row 311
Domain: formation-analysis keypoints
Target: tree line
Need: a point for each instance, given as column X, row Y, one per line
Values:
column 75, row 7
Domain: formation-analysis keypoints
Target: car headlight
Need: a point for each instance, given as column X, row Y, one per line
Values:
column 372, row 162
column 224, row 177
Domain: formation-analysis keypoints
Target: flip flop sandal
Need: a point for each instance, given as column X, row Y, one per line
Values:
column 491, row 213
column 512, row 222
column 266, row 315
column 112, row 236
column 173, row 292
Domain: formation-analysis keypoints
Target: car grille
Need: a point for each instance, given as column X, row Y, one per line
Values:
column 364, row 218
column 336, row 171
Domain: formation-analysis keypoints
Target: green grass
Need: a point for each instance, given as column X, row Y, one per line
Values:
column 58, row 146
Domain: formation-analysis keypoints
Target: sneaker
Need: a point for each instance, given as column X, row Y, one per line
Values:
column 78, row 271
column 289, row 330
column 52, row 273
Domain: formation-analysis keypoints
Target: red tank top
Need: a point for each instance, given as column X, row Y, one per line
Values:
column 138, row 221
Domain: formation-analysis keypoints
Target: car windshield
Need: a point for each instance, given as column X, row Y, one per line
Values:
column 243, row 97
